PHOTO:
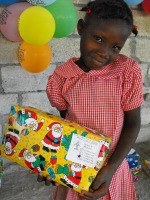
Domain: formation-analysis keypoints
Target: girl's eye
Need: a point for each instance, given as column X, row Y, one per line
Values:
column 116, row 48
column 98, row 39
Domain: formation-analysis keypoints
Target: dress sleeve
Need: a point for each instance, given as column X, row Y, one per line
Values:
column 132, row 96
column 54, row 91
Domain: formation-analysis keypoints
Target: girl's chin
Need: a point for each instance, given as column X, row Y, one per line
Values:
column 98, row 63
column 97, row 66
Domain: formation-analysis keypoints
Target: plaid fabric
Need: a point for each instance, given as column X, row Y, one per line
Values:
column 97, row 100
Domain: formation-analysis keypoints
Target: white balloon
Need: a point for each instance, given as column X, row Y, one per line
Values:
column 41, row 2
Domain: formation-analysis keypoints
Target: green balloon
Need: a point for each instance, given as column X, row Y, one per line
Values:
column 65, row 16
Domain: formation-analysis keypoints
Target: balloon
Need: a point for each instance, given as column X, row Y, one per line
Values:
column 9, row 20
column 146, row 6
column 65, row 16
column 36, row 25
column 133, row 2
column 7, row 2
column 34, row 58
column 41, row 2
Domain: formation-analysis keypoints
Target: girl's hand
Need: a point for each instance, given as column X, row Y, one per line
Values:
column 47, row 180
column 60, row 192
column 100, row 186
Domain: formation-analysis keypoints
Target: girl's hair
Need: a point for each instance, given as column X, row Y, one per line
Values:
column 110, row 9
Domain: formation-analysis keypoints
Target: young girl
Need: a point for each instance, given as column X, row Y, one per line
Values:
column 102, row 90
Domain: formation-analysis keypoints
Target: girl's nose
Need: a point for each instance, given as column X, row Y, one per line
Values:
column 104, row 52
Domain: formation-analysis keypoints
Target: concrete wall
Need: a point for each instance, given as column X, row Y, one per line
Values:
column 17, row 86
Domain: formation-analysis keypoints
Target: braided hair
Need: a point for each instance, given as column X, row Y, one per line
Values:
column 110, row 9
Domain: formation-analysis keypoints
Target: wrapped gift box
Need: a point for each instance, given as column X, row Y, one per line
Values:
column 133, row 161
column 71, row 154
column 146, row 167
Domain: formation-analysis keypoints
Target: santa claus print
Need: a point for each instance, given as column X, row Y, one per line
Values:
column 102, row 154
column 12, row 117
column 33, row 161
column 73, row 176
column 52, row 139
column 10, row 142
column 29, row 118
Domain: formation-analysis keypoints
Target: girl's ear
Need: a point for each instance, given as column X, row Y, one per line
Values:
column 80, row 26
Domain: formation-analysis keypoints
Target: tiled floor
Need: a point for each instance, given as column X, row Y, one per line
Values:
column 18, row 184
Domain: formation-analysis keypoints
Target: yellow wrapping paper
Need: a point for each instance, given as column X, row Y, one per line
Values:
column 146, row 167
column 71, row 154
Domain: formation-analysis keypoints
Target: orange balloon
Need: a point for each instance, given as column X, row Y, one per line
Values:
column 34, row 58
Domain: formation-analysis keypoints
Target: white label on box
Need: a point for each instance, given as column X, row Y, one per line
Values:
column 83, row 150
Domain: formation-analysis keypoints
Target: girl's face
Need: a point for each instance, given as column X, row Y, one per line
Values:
column 101, row 42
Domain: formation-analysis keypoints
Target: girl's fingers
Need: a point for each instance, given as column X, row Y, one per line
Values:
column 57, row 184
column 32, row 172
column 85, row 196
column 48, row 178
column 48, row 182
column 40, row 178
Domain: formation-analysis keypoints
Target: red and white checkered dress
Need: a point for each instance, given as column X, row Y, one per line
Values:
column 97, row 99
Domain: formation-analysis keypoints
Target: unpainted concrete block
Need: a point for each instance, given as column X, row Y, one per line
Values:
column 6, row 101
column 16, row 79
column 64, row 48
column 144, row 134
column 142, row 49
column 145, row 115
column 38, row 100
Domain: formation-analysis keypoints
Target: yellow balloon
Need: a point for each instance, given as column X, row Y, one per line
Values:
column 34, row 58
column 36, row 25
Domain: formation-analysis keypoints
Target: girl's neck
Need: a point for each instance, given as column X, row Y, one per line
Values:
column 82, row 65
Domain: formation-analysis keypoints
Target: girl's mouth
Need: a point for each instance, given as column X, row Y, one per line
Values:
column 98, row 63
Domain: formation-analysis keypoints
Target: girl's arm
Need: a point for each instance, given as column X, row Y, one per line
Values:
column 128, row 136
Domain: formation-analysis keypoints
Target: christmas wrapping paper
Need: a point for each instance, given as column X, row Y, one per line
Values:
column 133, row 161
column 71, row 154
column 146, row 167
column 1, row 171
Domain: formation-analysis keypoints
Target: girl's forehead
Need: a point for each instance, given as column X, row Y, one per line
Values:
column 106, row 23
column 112, row 26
